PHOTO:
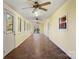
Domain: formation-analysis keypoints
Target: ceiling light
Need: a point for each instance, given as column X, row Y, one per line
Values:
column 36, row 14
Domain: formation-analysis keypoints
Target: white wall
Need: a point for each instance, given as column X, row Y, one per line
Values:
column 65, row 39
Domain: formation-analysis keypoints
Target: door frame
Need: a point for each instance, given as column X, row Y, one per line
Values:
column 5, row 12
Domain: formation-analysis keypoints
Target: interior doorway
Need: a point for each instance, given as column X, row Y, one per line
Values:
column 9, row 32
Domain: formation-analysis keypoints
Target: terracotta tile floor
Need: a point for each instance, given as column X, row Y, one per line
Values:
column 38, row 47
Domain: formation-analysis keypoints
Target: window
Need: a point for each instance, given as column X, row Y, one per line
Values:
column 24, row 25
column 9, row 23
column 28, row 27
column 19, row 24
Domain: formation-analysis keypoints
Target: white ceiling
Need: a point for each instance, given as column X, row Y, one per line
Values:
column 19, row 4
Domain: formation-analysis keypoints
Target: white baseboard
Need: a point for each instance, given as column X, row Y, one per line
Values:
column 69, row 53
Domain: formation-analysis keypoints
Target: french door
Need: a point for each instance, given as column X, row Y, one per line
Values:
column 9, row 32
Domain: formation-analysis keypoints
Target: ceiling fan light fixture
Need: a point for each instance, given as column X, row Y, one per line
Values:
column 36, row 14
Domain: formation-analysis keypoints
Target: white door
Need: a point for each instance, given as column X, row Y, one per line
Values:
column 9, row 35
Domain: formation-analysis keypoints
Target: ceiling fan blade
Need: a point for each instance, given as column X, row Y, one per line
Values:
column 46, row 3
column 27, row 7
column 43, row 9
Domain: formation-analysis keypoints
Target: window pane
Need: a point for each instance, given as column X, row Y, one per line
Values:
column 9, row 23
column 19, row 24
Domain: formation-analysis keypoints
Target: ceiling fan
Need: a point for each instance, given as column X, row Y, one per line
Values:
column 37, row 5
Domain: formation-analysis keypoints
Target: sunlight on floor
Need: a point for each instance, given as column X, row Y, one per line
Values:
column 36, row 40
